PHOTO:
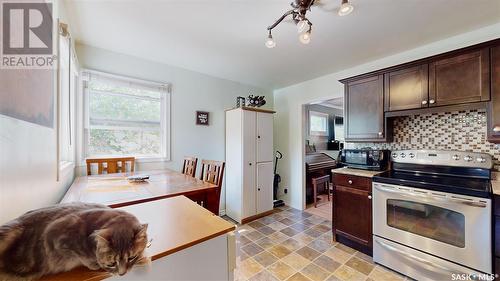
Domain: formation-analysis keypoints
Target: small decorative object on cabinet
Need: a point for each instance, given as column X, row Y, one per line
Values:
column 202, row 118
column 256, row 101
column 240, row 102
column 249, row 163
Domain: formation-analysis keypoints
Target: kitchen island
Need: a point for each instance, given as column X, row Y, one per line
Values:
column 188, row 242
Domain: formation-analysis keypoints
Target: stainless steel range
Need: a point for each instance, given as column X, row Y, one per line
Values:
column 432, row 214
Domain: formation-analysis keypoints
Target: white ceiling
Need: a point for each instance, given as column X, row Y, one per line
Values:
column 225, row 38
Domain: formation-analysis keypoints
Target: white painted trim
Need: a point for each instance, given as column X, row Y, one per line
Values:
column 165, row 121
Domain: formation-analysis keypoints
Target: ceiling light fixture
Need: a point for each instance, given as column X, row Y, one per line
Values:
column 345, row 8
column 304, row 26
column 270, row 43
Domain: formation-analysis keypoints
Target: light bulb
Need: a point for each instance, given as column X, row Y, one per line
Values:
column 302, row 25
column 346, row 8
column 305, row 38
column 270, row 43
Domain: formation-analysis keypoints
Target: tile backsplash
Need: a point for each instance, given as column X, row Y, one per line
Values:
column 457, row 130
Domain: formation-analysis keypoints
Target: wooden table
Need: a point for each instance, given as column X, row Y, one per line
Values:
column 115, row 190
column 183, row 231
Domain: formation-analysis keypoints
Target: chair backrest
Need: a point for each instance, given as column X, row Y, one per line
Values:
column 113, row 165
column 212, row 171
column 189, row 166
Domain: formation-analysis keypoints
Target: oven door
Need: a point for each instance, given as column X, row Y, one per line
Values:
column 454, row 227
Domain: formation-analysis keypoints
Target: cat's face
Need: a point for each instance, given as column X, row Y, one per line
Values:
column 119, row 249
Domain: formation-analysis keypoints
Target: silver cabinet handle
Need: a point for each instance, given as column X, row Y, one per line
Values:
column 370, row 197
column 349, row 181
column 380, row 133
column 424, row 102
column 432, row 101
column 496, row 129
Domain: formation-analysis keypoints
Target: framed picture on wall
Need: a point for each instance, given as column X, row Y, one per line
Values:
column 202, row 118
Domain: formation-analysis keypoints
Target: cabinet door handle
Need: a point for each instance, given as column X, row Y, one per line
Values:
column 258, row 137
column 432, row 101
column 349, row 181
column 249, row 164
column 496, row 129
column 380, row 134
column 258, row 189
column 370, row 197
column 424, row 102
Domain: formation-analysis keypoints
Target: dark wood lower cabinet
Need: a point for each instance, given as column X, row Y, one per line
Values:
column 352, row 212
column 496, row 234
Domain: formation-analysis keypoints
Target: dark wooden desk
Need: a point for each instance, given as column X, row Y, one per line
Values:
column 115, row 190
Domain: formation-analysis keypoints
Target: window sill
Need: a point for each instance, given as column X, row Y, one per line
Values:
column 65, row 167
column 151, row 159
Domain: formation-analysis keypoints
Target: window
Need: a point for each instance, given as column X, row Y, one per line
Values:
column 318, row 123
column 68, row 78
column 126, row 116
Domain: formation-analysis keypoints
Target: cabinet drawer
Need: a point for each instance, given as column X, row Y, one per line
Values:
column 353, row 181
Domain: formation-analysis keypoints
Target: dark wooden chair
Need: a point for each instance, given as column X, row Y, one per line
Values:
column 213, row 172
column 189, row 166
column 323, row 181
column 113, row 165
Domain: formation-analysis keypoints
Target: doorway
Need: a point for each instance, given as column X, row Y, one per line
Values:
column 324, row 139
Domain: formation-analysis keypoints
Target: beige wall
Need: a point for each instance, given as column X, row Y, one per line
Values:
column 28, row 165
column 191, row 91
column 289, row 101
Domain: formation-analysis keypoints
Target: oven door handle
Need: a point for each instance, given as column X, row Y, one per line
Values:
column 419, row 259
column 471, row 203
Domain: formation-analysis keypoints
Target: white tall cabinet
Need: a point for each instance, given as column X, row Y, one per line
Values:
column 249, row 163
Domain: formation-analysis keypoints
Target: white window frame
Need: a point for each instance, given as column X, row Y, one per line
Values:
column 66, row 105
column 165, row 112
column 321, row 115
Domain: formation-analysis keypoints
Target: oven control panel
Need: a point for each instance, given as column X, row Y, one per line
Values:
column 443, row 158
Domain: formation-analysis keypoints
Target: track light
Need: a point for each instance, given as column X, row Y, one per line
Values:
column 345, row 8
column 305, row 38
column 270, row 43
column 302, row 26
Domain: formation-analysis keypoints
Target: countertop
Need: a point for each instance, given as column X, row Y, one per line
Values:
column 495, row 183
column 356, row 172
column 173, row 224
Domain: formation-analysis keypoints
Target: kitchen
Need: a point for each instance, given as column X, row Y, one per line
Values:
column 421, row 194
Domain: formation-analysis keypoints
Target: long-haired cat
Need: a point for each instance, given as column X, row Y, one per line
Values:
column 62, row 237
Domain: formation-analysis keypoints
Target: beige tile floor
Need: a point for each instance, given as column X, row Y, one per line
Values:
column 294, row 245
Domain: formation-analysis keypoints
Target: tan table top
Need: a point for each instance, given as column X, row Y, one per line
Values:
column 173, row 224
column 115, row 190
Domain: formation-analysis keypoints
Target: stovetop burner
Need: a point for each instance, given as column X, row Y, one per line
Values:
column 477, row 187
column 446, row 171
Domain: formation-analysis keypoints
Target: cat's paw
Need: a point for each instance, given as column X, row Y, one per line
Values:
column 93, row 266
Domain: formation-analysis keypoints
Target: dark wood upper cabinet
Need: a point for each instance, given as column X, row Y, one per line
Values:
column 463, row 78
column 364, row 109
column 493, row 126
column 406, row 88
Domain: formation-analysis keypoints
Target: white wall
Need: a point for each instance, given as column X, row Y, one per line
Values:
column 288, row 102
column 28, row 167
column 191, row 91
